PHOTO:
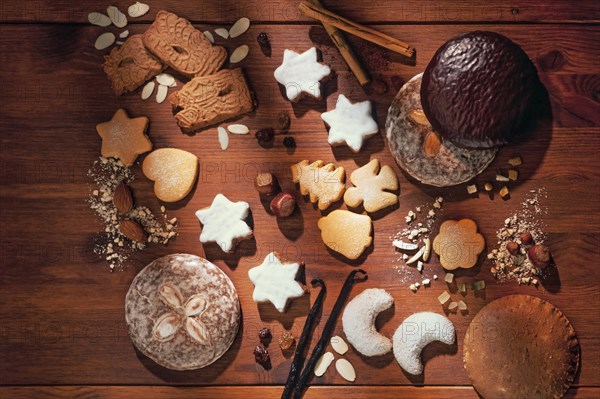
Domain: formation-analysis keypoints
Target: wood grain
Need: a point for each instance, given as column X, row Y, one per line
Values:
column 61, row 310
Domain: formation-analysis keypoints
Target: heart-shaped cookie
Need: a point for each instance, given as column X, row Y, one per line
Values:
column 173, row 171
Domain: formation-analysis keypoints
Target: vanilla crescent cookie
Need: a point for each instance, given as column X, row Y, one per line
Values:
column 275, row 281
column 358, row 321
column 223, row 222
column 349, row 123
column 301, row 73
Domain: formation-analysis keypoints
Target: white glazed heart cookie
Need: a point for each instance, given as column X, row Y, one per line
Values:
column 301, row 73
column 350, row 124
column 359, row 322
column 223, row 222
column 275, row 281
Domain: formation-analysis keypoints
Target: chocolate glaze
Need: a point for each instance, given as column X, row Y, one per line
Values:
column 477, row 89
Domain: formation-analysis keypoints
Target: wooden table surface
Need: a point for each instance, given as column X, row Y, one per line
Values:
column 62, row 329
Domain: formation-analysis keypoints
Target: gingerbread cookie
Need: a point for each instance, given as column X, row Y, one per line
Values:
column 346, row 232
column 208, row 100
column 324, row 184
column 173, row 171
column 223, row 222
column 458, row 244
column 182, row 312
column 130, row 65
column 124, row 137
column 182, row 47
column 301, row 74
column 350, row 124
column 275, row 281
column 370, row 188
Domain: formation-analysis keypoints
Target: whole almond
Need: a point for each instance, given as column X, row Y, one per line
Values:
column 122, row 199
column 132, row 230
column 418, row 116
column 432, row 145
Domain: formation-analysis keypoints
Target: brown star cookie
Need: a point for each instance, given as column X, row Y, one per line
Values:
column 207, row 100
column 130, row 65
column 182, row 47
column 124, row 137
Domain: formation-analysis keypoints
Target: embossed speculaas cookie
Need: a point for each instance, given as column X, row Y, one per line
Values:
column 128, row 66
column 206, row 100
column 182, row 312
column 182, row 47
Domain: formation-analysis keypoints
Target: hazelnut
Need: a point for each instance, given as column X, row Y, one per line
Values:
column 512, row 248
column 526, row 238
column 539, row 255
column 266, row 184
column 283, row 204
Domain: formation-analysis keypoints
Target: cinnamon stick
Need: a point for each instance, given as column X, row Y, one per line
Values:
column 337, row 37
column 327, row 17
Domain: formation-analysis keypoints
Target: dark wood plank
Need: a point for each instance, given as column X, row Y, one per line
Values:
column 61, row 311
column 228, row 11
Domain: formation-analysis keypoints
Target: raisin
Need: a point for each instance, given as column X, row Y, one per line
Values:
column 265, row 136
column 289, row 142
column 265, row 336
column 283, row 120
column 263, row 42
column 261, row 356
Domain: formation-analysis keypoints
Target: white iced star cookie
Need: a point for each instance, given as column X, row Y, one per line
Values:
column 223, row 222
column 275, row 281
column 350, row 123
column 301, row 73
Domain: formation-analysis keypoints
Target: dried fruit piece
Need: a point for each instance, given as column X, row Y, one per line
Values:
column 98, row 19
column 444, row 297
column 323, row 363
column 116, row 16
column 239, row 27
column 462, row 288
column 488, row 186
column 513, row 175
column 286, row 341
column 263, row 42
column 265, row 136
column 418, row 116
column 283, row 120
column 540, row 256
column 515, row 161
column 462, row 306
column 239, row 54
column 138, row 9
column 504, row 192
column 432, row 144
column 266, row 184
column 339, row 345
column 132, row 230
column 453, row 306
column 223, row 138
column 344, row 367
column 472, row 189
column 104, row 40
column 478, row 285
column 283, row 205
column 122, row 198
column 261, row 356
column 289, row 143
column 265, row 336
column 449, row 278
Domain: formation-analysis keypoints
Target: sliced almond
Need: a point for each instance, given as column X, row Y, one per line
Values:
column 223, row 138
column 195, row 305
column 418, row 116
column 239, row 54
column 148, row 90
column 427, row 252
column 170, row 295
column 124, row 34
column 239, row 27
column 197, row 330
column 105, row 40
column 119, row 42
column 209, row 36
column 224, row 33
column 98, row 19
column 416, row 256
column 138, row 9
column 116, row 16
column 323, row 363
column 238, row 129
column 345, row 369
column 165, row 79
column 161, row 93
column 404, row 246
column 432, row 144
column 339, row 345
column 166, row 326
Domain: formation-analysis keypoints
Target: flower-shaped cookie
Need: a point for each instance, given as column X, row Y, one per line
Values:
column 458, row 244
column 187, row 316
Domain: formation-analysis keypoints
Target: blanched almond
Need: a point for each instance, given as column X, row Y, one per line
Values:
column 223, row 138
column 165, row 79
column 323, row 363
column 239, row 54
column 224, row 33
column 148, row 90
column 105, row 40
column 209, row 36
column 239, row 27
column 166, row 326
column 339, row 345
column 170, row 295
column 195, row 305
column 161, row 93
column 116, row 16
column 98, row 19
column 345, row 369
column 197, row 330
column 138, row 9
column 418, row 116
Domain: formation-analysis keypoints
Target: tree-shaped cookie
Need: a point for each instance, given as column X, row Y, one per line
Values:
column 370, row 187
column 324, row 184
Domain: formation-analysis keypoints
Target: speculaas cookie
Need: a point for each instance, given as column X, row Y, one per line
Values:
column 520, row 346
column 182, row 47
column 130, row 65
column 124, row 137
column 207, row 100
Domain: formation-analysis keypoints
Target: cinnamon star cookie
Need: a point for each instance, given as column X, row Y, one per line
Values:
column 350, row 123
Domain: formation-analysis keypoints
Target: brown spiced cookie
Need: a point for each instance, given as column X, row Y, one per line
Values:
column 182, row 312
column 130, row 65
column 419, row 150
column 520, row 346
column 182, row 47
column 207, row 100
